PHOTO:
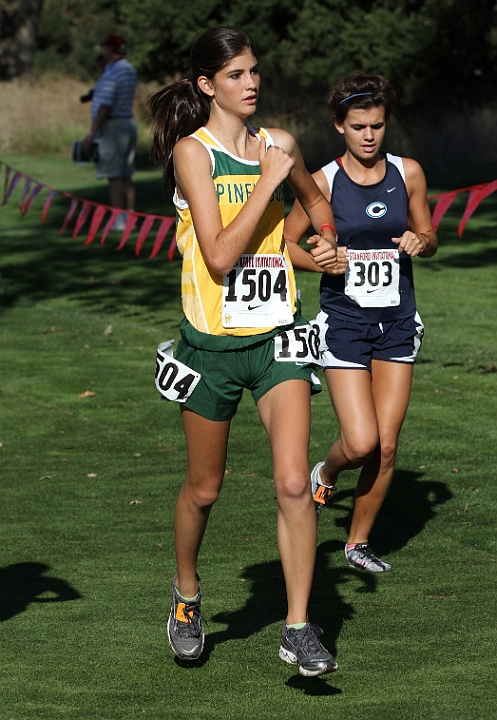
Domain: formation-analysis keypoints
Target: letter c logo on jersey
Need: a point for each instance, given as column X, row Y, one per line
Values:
column 376, row 209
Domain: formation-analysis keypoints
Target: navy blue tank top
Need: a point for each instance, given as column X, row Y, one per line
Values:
column 367, row 217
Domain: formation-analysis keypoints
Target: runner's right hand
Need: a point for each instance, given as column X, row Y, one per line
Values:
column 275, row 163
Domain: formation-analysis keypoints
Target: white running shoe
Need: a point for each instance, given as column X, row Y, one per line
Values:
column 321, row 493
column 361, row 556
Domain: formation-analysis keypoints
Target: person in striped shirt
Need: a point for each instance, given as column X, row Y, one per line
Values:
column 113, row 126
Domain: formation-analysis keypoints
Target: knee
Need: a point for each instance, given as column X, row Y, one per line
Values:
column 292, row 487
column 360, row 450
column 201, row 495
column 388, row 453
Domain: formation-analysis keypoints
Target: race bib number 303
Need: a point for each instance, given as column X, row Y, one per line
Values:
column 303, row 344
column 174, row 380
column 256, row 293
column 372, row 277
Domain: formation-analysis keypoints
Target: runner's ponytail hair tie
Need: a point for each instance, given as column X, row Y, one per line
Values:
column 353, row 96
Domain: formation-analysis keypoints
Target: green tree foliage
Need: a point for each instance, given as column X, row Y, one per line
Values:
column 70, row 32
column 435, row 52
column 18, row 25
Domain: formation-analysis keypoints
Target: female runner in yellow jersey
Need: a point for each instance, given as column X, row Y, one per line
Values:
column 238, row 293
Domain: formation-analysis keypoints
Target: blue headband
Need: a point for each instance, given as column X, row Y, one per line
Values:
column 353, row 96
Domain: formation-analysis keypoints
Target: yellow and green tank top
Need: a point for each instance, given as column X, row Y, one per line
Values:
column 202, row 288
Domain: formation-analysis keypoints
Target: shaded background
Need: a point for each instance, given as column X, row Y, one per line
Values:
column 440, row 55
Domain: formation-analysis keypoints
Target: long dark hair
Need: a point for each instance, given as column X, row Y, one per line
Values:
column 181, row 108
column 361, row 91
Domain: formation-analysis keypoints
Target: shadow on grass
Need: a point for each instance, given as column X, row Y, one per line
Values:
column 466, row 260
column 38, row 263
column 409, row 506
column 150, row 197
column 267, row 605
column 315, row 686
column 24, row 583
column 99, row 278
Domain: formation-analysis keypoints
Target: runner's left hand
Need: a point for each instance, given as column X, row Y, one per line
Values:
column 331, row 260
column 412, row 243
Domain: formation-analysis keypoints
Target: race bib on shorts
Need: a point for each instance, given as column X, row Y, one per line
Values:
column 256, row 293
column 303, row 344
column 372, row 277
column 173, row 380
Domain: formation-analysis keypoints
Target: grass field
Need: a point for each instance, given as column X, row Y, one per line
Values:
column 89, row 485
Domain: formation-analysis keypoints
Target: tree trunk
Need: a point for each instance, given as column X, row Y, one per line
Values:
column 18, row 25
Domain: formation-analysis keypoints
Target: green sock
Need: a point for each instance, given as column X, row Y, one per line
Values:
column 297, row 626
column 185, row 599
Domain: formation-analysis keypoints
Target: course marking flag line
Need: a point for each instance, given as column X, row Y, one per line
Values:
column 89, row 209
column 98, row 211
column 444, row 200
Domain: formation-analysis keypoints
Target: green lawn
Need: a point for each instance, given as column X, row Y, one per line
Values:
column 89, row 485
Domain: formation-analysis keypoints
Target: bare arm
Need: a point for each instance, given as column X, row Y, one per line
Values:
column 102, row 115
column 421, row 238
column 220, row 246
column 296, row 225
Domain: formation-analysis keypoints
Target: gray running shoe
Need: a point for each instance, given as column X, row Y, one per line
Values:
column 302, row 648
column 361, row 556
column 184, row 627
column 320, row 493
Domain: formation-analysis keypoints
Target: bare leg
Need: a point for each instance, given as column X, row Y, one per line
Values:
column 351, row 393
column 285, row 412
column 122, row 193
column 129, row 189
column 391, row 383
column 206, row 444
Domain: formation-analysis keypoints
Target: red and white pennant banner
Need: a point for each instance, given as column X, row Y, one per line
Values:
column 89, row 209
column 477, row 193
column 97, row 211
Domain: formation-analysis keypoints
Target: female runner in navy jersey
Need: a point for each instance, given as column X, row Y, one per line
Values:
column 374, row 332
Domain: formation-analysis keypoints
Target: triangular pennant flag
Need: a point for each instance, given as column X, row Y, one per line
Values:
column 144, row 231
column 83, row 214
column 115, row 212
column 46, row 206
column 6, row 179
column 172, row 248
column 8, row 191
column 476, row 195
column 34, row 192
column 443, row 204
column 70, row 213
column 96, row 221
column 128, row 229
column 161, row 234
column 27, row 187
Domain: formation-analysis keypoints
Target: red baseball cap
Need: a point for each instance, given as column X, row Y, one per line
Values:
column 116, row 43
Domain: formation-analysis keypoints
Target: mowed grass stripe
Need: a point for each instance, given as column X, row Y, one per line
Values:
column 89, row 487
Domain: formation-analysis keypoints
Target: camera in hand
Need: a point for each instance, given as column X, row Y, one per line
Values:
column 86, row 98
column 79, row 155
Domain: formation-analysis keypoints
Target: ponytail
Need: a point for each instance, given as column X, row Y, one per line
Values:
column 177, row 111
column 181, row 108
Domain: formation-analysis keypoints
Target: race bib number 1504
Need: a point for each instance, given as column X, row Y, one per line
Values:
column 256, row 293
column 304, row 344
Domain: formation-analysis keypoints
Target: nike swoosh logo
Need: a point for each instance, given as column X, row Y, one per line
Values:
column 392, row 189
column 249, row 307
column 370, row 291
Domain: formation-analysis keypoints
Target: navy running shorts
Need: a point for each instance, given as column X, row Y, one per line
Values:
column 352, row 345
